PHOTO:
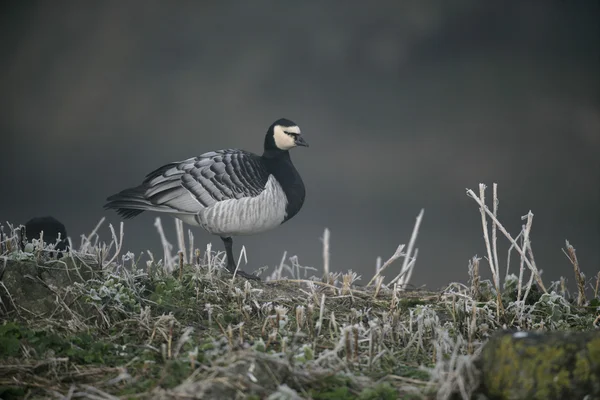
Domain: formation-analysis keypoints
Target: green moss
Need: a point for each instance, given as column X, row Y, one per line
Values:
column 10, row 340
column 543, row 380
column 523, row 368
column 335, row 393
column 593, row 348
column 411, row 302
column 341, row 388
column 82, row 348
column 10, row 393
column 308, row 353
column 174, row 372
column 332, row 387
column 383, row 391
column 259, row 346
column 582, row 370
column 542, row 361
column 545, row 361
column 561, row 381
column 41, row 342
column 147, row 376
column 408, row 371
column 507, row 363
column 85, row 349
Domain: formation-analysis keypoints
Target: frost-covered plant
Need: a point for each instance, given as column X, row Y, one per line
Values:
column 113, row 292
column 552, row 311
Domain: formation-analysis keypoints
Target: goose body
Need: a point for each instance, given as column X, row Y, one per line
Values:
column 227, row 192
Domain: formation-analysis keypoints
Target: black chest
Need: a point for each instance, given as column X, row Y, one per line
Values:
column 281, row 167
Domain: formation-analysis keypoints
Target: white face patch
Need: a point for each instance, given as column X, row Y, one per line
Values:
column 284, row 141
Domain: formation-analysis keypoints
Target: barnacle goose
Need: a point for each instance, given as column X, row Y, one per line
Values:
column 227, row 192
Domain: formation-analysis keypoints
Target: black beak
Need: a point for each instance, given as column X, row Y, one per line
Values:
column 300, row 141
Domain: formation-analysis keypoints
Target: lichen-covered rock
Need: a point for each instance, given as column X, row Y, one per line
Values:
column 548, row 366
column 31, row 285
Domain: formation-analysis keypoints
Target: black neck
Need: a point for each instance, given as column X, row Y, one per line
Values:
column 276, row 153
column 279, row 164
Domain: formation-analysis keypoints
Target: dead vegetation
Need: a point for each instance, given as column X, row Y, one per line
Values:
column 113, row 326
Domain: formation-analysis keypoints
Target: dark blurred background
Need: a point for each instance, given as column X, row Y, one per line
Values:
column 404, row 104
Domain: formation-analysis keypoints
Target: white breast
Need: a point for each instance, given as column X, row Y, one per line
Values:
column 247, row 215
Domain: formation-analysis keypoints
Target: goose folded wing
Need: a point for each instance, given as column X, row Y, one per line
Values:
column 206, row 179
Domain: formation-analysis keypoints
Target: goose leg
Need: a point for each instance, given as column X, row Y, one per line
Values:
column 228, row 242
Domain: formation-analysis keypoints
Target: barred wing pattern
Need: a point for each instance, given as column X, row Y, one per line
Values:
column 189, row 186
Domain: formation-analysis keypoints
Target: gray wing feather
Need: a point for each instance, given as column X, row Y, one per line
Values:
column 190, row 185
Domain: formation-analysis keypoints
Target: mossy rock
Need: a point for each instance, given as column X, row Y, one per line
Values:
column 32, row 283
column 548, row 366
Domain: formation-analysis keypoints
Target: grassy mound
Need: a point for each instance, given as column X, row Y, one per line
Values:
column 101, row 325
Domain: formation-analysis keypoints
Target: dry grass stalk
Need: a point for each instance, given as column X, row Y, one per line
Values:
column 8, row 292
column 209, row 263
column 408, row 263
column 491, row 260
column 167, row 247
column 474, row 272
column 7, row 245
column 321, row 312
column 538, row 278
column 526, row 232
column 579, row 276
column 325, row 255
column 333, row 326
column 510, row 249
column 237, row 266
column 86, row 241
column 495, row 231
column 378, row 283
column 230, row 335
column 472, row 328
column 170, row 342
column 180, row 237
column 348, row 344
column 299, row 317
column 597, row 284
column 263, row 331
column 191, row 240
column 310, row 310
column 346, row 282
column 521, row 268
column 405, row 278
column 118, row 242
column 394, row 302
column 393, row 258
column 355, row 333
column 527, row 288
column 241, row 330
column 531, row 266
column 371, row 346
column 180, row 265
column 280, row 314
